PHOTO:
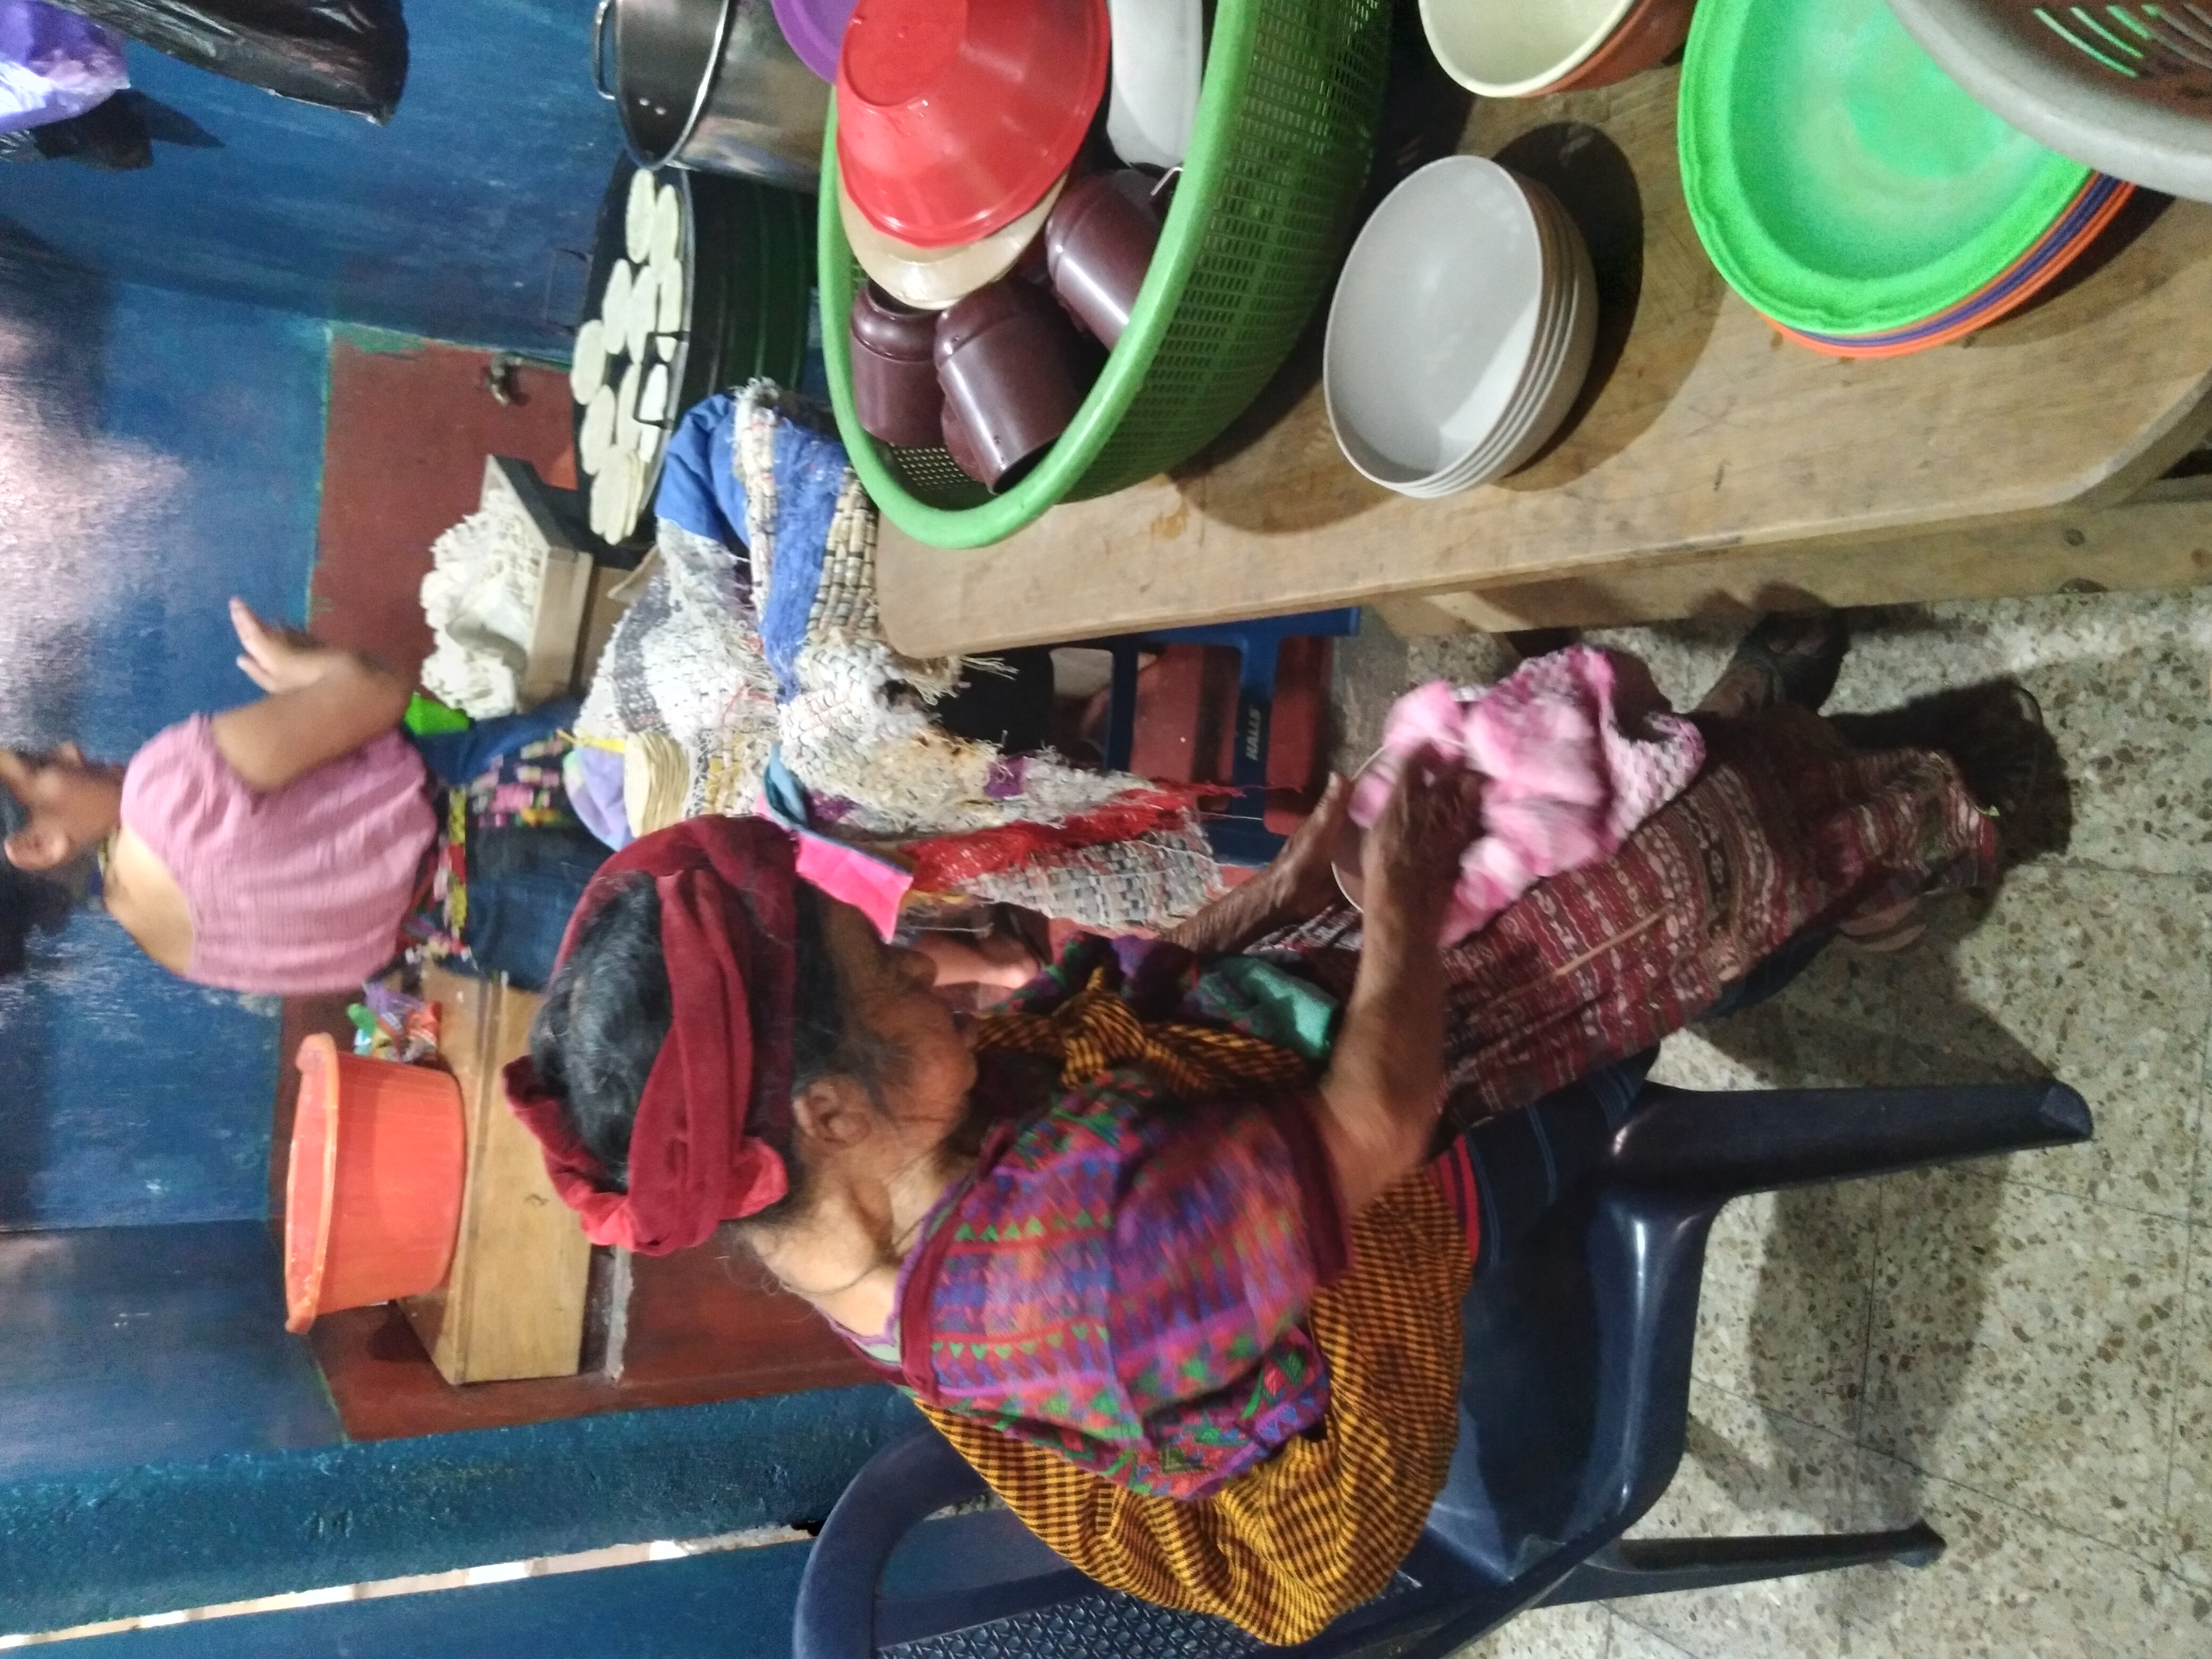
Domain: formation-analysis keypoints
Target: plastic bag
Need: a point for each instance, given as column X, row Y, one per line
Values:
column 118, row 134
column 53, row 64
column 343, row 54
column 114, row 136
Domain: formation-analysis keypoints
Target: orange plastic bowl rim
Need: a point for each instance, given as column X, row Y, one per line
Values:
column 373, row 1190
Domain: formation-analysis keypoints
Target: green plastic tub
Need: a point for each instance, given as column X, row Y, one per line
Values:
column 1285, row 136
column 1842, row 182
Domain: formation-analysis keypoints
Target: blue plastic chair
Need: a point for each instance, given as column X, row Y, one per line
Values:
column 1572, row 1412
column 1240, row 834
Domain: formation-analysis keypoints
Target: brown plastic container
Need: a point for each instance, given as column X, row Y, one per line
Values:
column 959, row 446
column 1012, row 368
column 1098, row 244
column 896, row 394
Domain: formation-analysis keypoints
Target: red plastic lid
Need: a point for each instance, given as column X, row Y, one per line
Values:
column 955, row 117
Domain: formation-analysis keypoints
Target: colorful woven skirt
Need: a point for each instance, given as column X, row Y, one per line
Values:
column 1787, row 828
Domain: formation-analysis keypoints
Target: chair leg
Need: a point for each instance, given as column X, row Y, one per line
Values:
column 1759, row 1140
column 1654, row 1566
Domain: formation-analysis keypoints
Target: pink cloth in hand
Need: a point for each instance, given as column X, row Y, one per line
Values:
column 1576, row 750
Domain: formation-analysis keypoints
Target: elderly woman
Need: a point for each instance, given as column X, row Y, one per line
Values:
column 1167, row 1248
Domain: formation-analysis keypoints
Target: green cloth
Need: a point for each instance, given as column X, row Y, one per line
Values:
column 1264, row 1001
column 426, row 717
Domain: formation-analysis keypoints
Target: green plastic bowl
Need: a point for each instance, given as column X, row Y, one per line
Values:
column 1285, row 134
column 1841, row 181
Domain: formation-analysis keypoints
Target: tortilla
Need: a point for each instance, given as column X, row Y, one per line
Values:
column 614, row 306
column 668, row 227
column 638, row 216
column 587, row 364
column 597, row 437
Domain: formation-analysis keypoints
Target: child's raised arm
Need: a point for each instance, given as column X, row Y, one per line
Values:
column 322, row 703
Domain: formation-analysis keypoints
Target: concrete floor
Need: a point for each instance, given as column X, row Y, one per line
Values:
column 2019, row 1350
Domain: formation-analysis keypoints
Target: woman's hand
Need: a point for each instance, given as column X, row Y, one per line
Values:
column 279, row 660
column 1297, row 886
column 1384, row 1086
column 1410, row 863
column 1302, row 881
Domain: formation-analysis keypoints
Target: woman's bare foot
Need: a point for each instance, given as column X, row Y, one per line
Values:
column 1783, row 658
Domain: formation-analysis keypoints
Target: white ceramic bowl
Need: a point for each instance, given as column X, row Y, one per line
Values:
column 1435, row 315
column 1461, row 331
column 1545, row 358
column 1564, row 379
column 1558, row 368
column 1510, row 48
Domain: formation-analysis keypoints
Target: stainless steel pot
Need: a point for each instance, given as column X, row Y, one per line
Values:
column 711, row 84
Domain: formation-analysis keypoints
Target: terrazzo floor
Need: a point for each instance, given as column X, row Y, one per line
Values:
column 2020, row 1350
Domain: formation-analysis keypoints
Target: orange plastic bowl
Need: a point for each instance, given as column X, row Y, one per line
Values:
column 954, row 117
column 373, row 1193
column 1644, row 39
column 1977, row 312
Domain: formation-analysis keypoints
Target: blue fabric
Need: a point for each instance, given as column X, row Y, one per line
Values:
column 699, row 490
column 525, row 882
column 810, row 476
column 457, row 758
column 785, row 797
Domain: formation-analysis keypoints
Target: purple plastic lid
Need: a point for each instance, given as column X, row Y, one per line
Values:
column 815, row 29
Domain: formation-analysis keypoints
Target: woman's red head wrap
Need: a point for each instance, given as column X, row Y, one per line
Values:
column 696, row 1154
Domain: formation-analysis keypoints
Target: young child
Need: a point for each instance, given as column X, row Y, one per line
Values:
column 281, row 847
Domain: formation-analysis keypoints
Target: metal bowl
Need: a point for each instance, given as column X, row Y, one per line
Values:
column 714, row 86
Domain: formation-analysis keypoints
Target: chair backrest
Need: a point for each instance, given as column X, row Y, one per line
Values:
column 1574, row 1396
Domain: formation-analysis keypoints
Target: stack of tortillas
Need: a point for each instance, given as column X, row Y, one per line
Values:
column 623, row 366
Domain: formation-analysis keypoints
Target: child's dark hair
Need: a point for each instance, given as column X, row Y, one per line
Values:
column 608, row 1011
column 28, row 904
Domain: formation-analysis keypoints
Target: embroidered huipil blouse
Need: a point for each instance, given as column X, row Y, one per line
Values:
column 1124, row 1277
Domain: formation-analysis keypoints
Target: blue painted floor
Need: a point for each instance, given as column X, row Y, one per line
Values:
column 734, row 1605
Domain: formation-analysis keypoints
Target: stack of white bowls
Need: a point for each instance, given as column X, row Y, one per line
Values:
column 1461, row 329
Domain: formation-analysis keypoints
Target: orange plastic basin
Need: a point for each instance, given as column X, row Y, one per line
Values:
column 372, row 1194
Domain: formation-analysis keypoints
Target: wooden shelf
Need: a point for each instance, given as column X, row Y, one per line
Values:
column 1708, row 464
column 514, row 1306
column 696, row 1326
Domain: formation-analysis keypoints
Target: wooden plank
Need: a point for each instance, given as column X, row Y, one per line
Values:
column 2164, row 539
column 607, row 603
column 1701, row 430
column 514, row 1306
column 556, row 634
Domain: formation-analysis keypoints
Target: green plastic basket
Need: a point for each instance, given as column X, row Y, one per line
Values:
column 1284, row 135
